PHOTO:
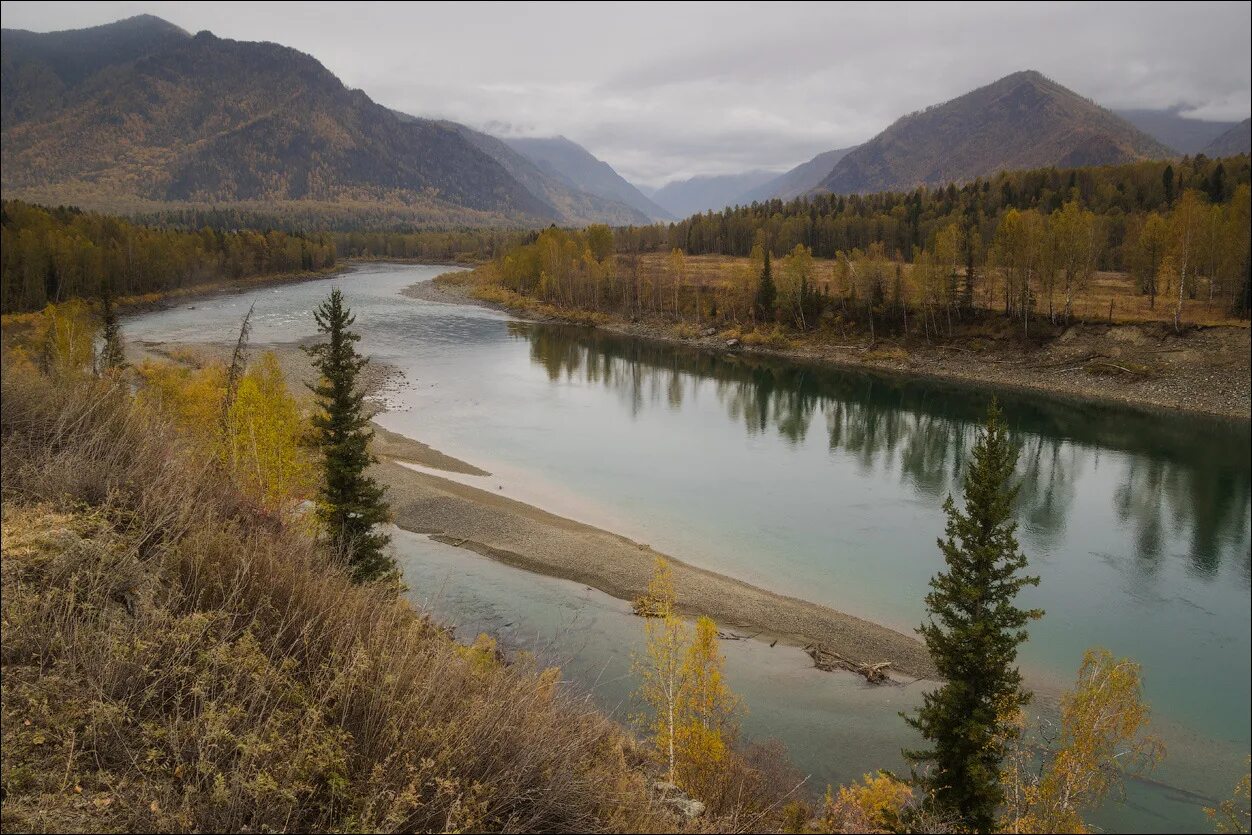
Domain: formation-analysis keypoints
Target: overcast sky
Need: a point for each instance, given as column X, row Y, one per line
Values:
column 669, row 90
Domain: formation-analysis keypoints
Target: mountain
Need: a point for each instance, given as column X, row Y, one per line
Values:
column 39, row 67
column 140, row 110
column 1024, row 120
column 574, row 164
column 1169, row 127
column 803, row 178
column 696, row 195
column 575, row 207
column 1237, row 140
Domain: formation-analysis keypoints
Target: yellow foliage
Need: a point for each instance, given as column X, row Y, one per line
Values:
column 263, row 437
column 660, row 672
column 1233, row 815
column 658, row 600
column 483, row 654
column 707, row 711
column 66, row 336
column 874, row 805
column 693, row 718
column 1102, row 723
column 191, row 397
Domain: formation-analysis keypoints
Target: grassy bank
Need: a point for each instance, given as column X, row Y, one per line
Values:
column 175, row 658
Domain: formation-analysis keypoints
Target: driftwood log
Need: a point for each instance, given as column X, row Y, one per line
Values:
column 874, row 673
column 734, row 636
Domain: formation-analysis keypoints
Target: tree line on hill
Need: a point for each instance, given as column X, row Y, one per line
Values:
column 1027, row 245
column 901, row 221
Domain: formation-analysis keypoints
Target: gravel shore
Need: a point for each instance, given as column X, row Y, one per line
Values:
column 526, row 537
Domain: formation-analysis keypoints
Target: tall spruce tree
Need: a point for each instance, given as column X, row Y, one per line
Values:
column 351, row 504
column 113, row 354
column 973, row 631
column 766, row 292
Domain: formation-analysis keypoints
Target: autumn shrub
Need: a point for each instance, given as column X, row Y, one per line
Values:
column 177, row 658
column 775, row 338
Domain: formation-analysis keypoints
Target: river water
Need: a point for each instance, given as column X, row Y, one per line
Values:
column 822, row 484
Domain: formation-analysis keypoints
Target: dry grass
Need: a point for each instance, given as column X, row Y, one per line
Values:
column 1129, row 305
column 1092, row 302
column 174, row 659
column 713, row 270
column 506, row 298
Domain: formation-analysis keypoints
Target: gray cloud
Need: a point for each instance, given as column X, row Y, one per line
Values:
column 669, row 90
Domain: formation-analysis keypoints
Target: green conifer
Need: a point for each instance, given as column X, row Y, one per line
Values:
column 113, row 354
column 766, row 292
column 351, row 504
column 973, row 632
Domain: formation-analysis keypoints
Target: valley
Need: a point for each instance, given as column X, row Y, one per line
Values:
column 528, row 417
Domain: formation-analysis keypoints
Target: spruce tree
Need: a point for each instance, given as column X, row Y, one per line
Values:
column 973, row 631
column 351, row 504
column 766, row 292
column 113, row 354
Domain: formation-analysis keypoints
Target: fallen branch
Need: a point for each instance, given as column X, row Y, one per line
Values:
column 731, row 636
column 824, row 659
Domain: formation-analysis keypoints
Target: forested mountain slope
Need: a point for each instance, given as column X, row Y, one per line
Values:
column 1022, row 121
column 1237, row 140
column 141, row 110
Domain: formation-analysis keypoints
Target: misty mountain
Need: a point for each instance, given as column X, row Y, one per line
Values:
column 1187, row 136
column 700, row 194
column 1237, row 140
column 573, row 206
column 579, row 169
column 803, row 178
column 141, row 110
column 1024, row 120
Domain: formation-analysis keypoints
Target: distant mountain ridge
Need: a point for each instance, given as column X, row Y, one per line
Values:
column 803, row 178
column 1024, row 120
column 141, row 109
column 709, row 193
column 574, row 206
column 581, row 170
column 1237, row 140
column 1170, row 128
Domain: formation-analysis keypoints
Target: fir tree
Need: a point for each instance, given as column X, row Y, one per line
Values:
column 766, row 292
column 113, row 354
column 973, row 632
column 351, row 504
column 1217, row 184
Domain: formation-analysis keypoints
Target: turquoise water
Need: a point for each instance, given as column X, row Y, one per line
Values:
column 827, row 485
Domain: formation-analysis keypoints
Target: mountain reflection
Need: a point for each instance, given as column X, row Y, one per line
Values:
column 1185, row 478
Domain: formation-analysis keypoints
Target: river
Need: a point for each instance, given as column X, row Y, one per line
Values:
column 818, row 483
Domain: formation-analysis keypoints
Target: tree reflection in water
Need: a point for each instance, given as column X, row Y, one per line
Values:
column 1181, row 474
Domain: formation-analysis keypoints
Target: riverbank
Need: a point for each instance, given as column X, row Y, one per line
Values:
column 527, row 537
column 161, row 301
column 1203, row 370
column 536, row 540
